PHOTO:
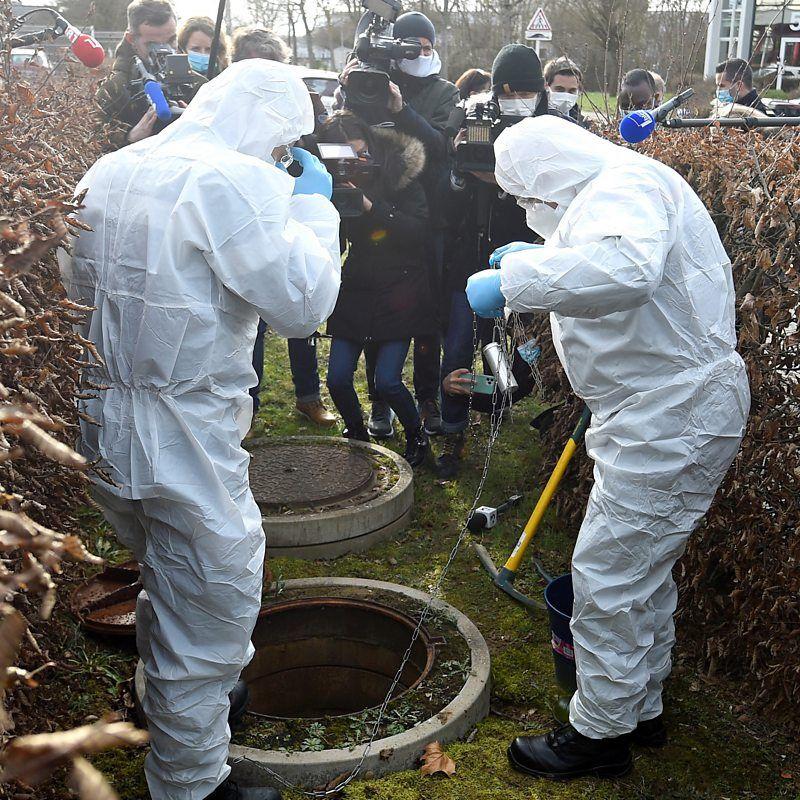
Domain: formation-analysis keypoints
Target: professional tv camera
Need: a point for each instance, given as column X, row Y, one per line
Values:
column 368, row 83
column 476, row 123
column 166, row 79
column 346, row 167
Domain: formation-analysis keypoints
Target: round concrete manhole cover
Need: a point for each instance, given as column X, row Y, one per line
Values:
column 308, row 474
column 322, row 497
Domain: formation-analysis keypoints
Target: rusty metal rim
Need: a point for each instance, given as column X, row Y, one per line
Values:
column 372, row 605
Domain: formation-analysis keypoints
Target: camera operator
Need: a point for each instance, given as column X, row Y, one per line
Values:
column 127, row 114
column 482, row 220
column 385, row 297
column 420, row 102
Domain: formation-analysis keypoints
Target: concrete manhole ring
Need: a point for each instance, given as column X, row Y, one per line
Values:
column 310, row 770
column 322, row 496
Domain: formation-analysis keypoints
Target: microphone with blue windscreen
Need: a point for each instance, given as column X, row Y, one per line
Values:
column 636, row 126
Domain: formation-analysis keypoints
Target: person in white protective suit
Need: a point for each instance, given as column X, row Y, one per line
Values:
column 642, row 312
column 195, row 234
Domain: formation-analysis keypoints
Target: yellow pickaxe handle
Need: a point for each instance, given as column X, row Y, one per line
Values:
column 517, row 554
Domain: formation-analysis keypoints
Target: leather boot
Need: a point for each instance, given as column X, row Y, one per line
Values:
column 316, row 412
column 449, row 462
column 564, row 754
column 417, row 446
column 230, row 790
column 649, row 733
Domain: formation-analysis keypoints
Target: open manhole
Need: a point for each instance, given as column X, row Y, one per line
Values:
column 326, row 652
column 331, row 656
column 323, row 496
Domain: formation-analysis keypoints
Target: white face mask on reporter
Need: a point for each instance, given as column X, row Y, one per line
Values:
column 422, row 67
column 517, row 106
column 563, row 101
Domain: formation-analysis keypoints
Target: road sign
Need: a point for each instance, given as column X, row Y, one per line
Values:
column 539, row 28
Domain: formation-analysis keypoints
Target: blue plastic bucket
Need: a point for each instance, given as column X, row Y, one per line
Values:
column 558, row 597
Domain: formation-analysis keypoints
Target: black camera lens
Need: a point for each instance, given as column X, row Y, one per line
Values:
column 367, row 88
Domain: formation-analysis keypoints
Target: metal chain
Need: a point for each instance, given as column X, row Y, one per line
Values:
column 496, row 417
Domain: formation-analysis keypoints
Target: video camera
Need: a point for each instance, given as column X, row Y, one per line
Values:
column 368, row 83
column 346, row 166
column 476, row 124
column 169, row 74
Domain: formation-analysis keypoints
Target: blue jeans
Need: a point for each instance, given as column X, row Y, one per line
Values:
column 458, row 354
column 389, row 360
column 302, row 362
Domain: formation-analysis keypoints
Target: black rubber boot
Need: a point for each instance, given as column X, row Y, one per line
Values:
column 449, row 462
column 564, row 754
column 650, row 733
column 417, row 447
column 229, row 790
column 239, row 697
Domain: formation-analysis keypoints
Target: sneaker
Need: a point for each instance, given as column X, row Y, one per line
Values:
column 230, row 790
column 381, row 420
column 315, row 411
column 449, row 461
column 564, row 754
column 417, row 446
column 431, row 416
column 359, row 434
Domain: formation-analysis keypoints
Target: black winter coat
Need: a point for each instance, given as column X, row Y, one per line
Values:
column 386, row 279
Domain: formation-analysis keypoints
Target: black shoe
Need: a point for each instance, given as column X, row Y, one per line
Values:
column 649, row 733
column 431, row 416
column 449, row 462
column 417, row 446
column 239, row 697
column 229, row 790
column 381, row 420
column 564, row 754
column 359, row 434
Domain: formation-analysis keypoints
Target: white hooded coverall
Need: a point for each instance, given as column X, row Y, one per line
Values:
column 642, row 303
column 195, row 234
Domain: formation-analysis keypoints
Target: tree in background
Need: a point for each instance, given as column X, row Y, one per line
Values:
column 106, row 15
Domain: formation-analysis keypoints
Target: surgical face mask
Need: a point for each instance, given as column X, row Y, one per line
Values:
column 517, row 106
column 725, row 96
column 198, row 62
column 422, row 67
column 563, row 101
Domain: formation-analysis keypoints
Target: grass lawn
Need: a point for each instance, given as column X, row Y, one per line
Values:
column 717, row 750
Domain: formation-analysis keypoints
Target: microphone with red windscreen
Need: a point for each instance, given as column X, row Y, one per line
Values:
column 85, row 48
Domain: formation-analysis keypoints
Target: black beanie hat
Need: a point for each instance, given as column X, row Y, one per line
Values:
column 414, row 25
column 517, row 68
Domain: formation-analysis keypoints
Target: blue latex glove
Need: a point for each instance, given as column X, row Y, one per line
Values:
column 484, row 295
column 513, row 247
column 315, row 178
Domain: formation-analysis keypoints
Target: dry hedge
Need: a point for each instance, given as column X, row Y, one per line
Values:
column 739, row 612
column 47, row 142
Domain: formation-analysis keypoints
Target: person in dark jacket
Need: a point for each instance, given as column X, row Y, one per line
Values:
column 420, row 103
column 482, row 219
column 385, row 298
column 127, row 115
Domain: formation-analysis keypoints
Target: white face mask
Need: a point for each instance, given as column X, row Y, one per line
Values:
column 421, row 67
column 563, row 101
column 540, row 217
column 517, row 106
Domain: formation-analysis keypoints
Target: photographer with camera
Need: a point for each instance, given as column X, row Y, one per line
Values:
column 407, row 90
column 483, row 219
column 127, row 114
column 385, row 298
